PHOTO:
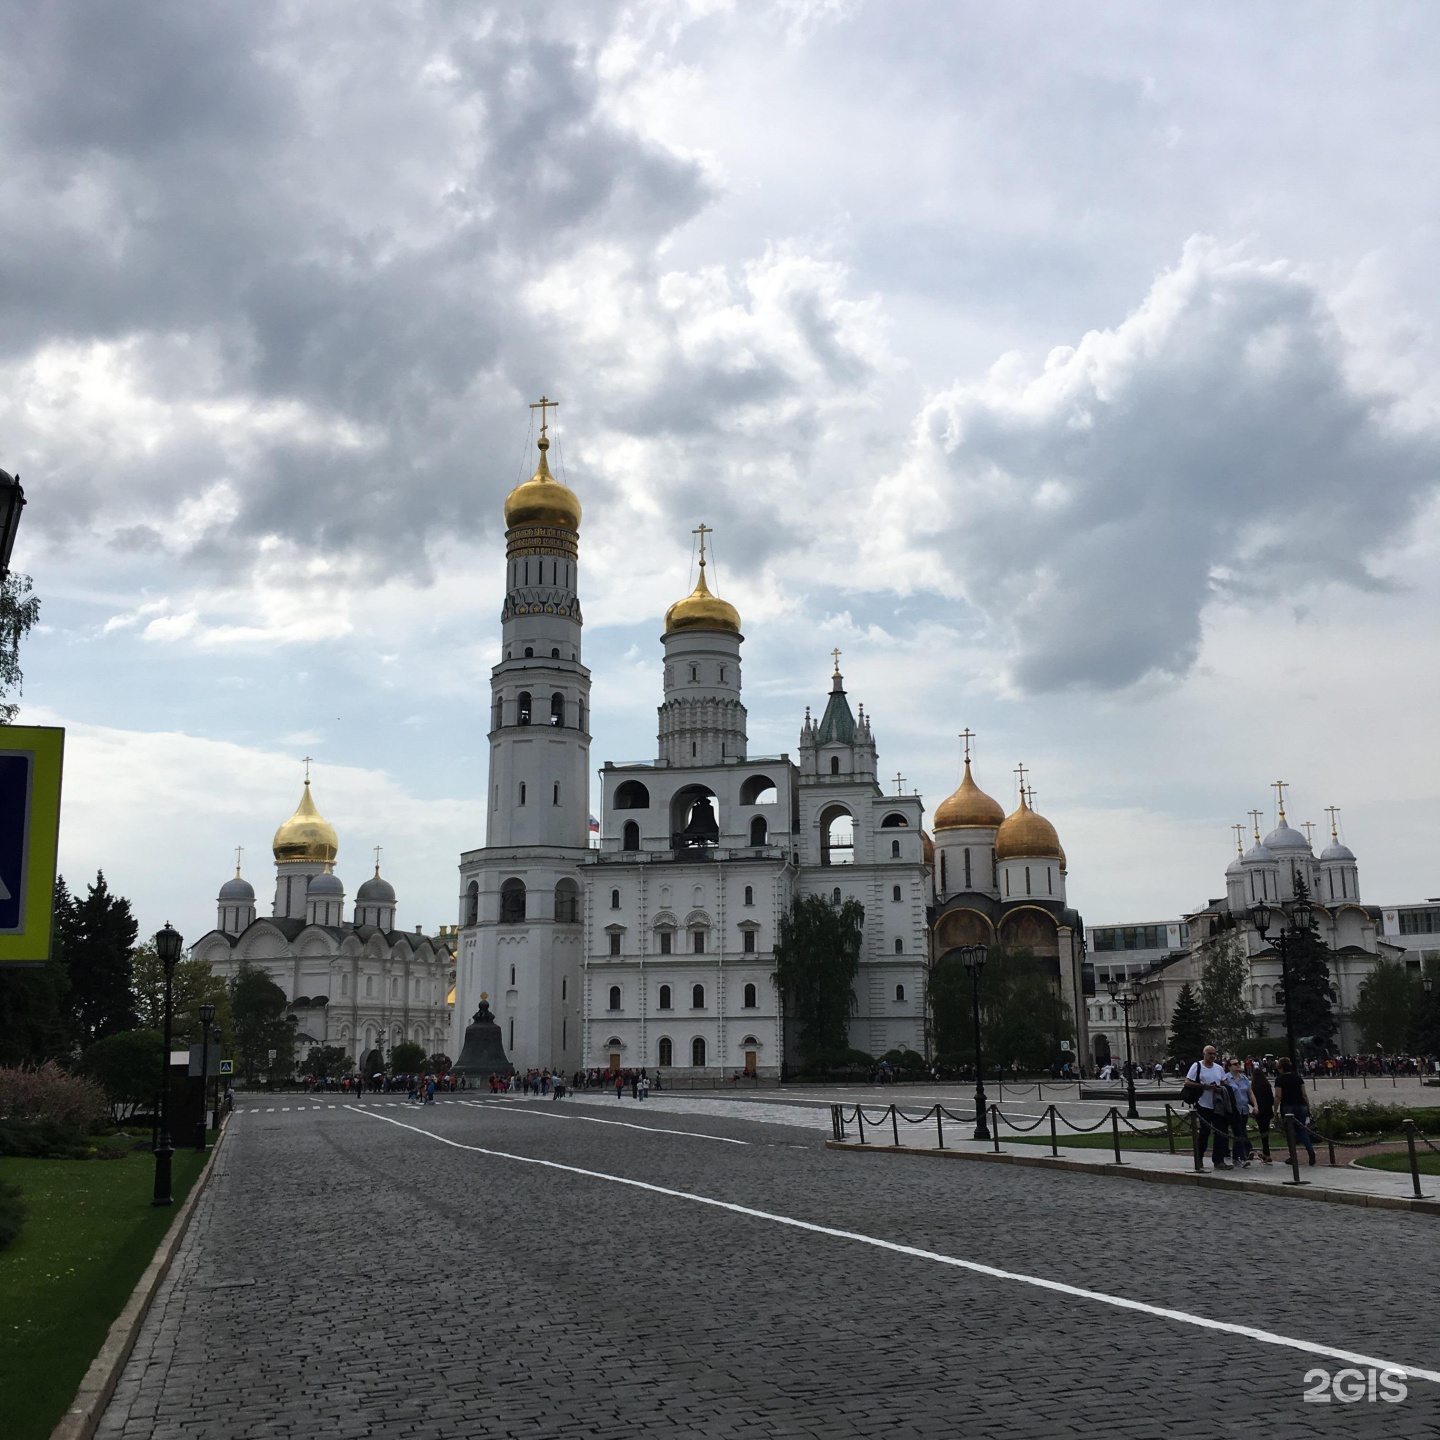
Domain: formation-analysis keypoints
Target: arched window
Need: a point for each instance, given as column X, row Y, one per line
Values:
column 758, row 790
column 697, row 1052
column 522, row 707
column 749, row 894
column 757, row 830
column 892, row 820
column 614, row 997
column 899, row 946
column 630, row 837
column 555, row 795
column 554, row 652
column 512, row 902
column 899, row 992
column 632, row 795
column 894, row 892
column 529, row 651
column 557, row 709
column 750, row 997
column 567, row 902
column 667, row 1051
column 665, row 997
column 499, row 711
column 580, row 714
column 472, row 903
column 837, row 836
column 614, row 899
column 835, row 896
column 512, row 974
column 697, row 997
column 834, row 764
column 894, row 849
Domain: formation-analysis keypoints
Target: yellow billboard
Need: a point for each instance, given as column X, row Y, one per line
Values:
column 31, row 757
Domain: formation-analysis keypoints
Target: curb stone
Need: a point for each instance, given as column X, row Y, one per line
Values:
column 1204, row 1181
column 82, row 1416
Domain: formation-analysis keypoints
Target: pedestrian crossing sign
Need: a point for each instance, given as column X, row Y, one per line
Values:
column 30, row 764
column 227, row 1067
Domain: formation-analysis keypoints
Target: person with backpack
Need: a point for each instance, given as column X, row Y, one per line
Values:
column 1205, row 1088
column 1294, row 1102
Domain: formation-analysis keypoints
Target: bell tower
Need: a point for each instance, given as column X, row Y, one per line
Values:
column 520, row 932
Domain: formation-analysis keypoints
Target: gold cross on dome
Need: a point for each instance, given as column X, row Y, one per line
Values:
column 307, row 759
column 835, row 655
column 1239, row 839
column 1020, row 771
column 1255, row 817
column 239, row 851
column 1307, row 827
column 967, row 735
column 1333, row 811
column 1280, row 787
column 702, row 530
column 378, row 848
column 544, row 404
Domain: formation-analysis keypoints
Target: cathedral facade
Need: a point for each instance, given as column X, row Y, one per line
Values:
column 360, row 984
column 654, row 947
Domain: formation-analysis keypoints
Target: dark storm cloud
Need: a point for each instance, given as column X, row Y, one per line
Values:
column 329, row 207
column 1215, row 445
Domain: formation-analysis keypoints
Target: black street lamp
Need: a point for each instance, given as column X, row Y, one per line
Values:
column 12, row 502
column 168, row 944
column 973, row 957
column 1262, row 915
column 207, row 1017
column 1125, row 996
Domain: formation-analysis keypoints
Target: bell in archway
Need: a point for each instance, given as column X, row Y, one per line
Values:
column 484, row 1051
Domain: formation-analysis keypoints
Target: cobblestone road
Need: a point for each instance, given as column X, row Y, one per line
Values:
column 345, row 1276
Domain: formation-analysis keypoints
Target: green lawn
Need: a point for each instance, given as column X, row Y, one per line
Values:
column 90, row 1233
column 1400, row 1161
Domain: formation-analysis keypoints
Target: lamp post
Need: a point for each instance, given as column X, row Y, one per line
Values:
column 1262, row 915
column 973, row 957
column 1125, row 996
column 12, row 502
column 207, row 1016
column 168, row 944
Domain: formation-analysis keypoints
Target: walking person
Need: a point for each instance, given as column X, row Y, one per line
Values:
column 1264, row 1098
column 1295, row 1102
column 1209, row 1078
column 1240, row 1087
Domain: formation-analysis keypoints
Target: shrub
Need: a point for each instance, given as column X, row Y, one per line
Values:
column 1337, row 1118
column 905, row 1059
column 12, row 1214
column 48, row 1093
column 42, row 1140
column 127, row 1066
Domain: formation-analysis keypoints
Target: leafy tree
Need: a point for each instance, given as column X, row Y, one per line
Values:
column 97, row 934
column 1223, row 985
column 323, row 1061
column 1022, row 1014
column 1312, row 994
column 195, row 983
column 439, row 1064
column 1385, row 1010
column 817, row 957
column 19, row 610
column 258, row 1024
column 1425, row 1024
column 127, row 1065
column 1189, row 1033
column 407, row 1058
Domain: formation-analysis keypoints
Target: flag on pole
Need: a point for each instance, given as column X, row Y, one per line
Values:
column 594, row 826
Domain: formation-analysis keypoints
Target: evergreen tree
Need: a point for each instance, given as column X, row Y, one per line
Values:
column 1385, row 1010
column 97, row 934
column 257, row 1021
column 1311, row 992
column 1189, row 1033
column 1022, row 1013
column 817, row 957
column 1223, row 986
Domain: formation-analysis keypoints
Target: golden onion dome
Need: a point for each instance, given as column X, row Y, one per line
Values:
column 969, row 808
column 700, row 610
column 1027, row 835
column 542, row 499
column 307, row 835
column 927, row 848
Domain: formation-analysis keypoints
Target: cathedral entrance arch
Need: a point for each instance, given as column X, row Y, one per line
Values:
column 962, row 927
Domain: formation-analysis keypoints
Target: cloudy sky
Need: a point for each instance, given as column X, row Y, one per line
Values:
column 1073, row 368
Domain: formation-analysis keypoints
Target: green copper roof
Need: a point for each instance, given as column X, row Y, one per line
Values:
column 837, row 723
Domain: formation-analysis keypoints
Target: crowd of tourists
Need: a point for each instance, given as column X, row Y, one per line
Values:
column 1228, row 1096
column 382, row 1084
column 547, row 1082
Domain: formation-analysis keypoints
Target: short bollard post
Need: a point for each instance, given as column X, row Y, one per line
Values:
column 835, row 1121
column 1293, row 1140
column 860, row 1121
column 1170, row 1126
column 940, row 1126
column 1115, row 1132
column 1414, row 1158
column 1331, row 1143
column 895, row 1126
column 1054, row 1142
column 995, row 1126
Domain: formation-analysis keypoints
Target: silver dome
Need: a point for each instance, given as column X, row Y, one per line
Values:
column 1258, row 854
column 326, row 884
column 376, row 891
column 1336, row 851
column 1284, row 838
column 237, row 891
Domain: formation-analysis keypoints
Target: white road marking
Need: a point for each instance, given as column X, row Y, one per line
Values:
column 1183, row 1317
column 269, row 1109
column 591, row 1120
